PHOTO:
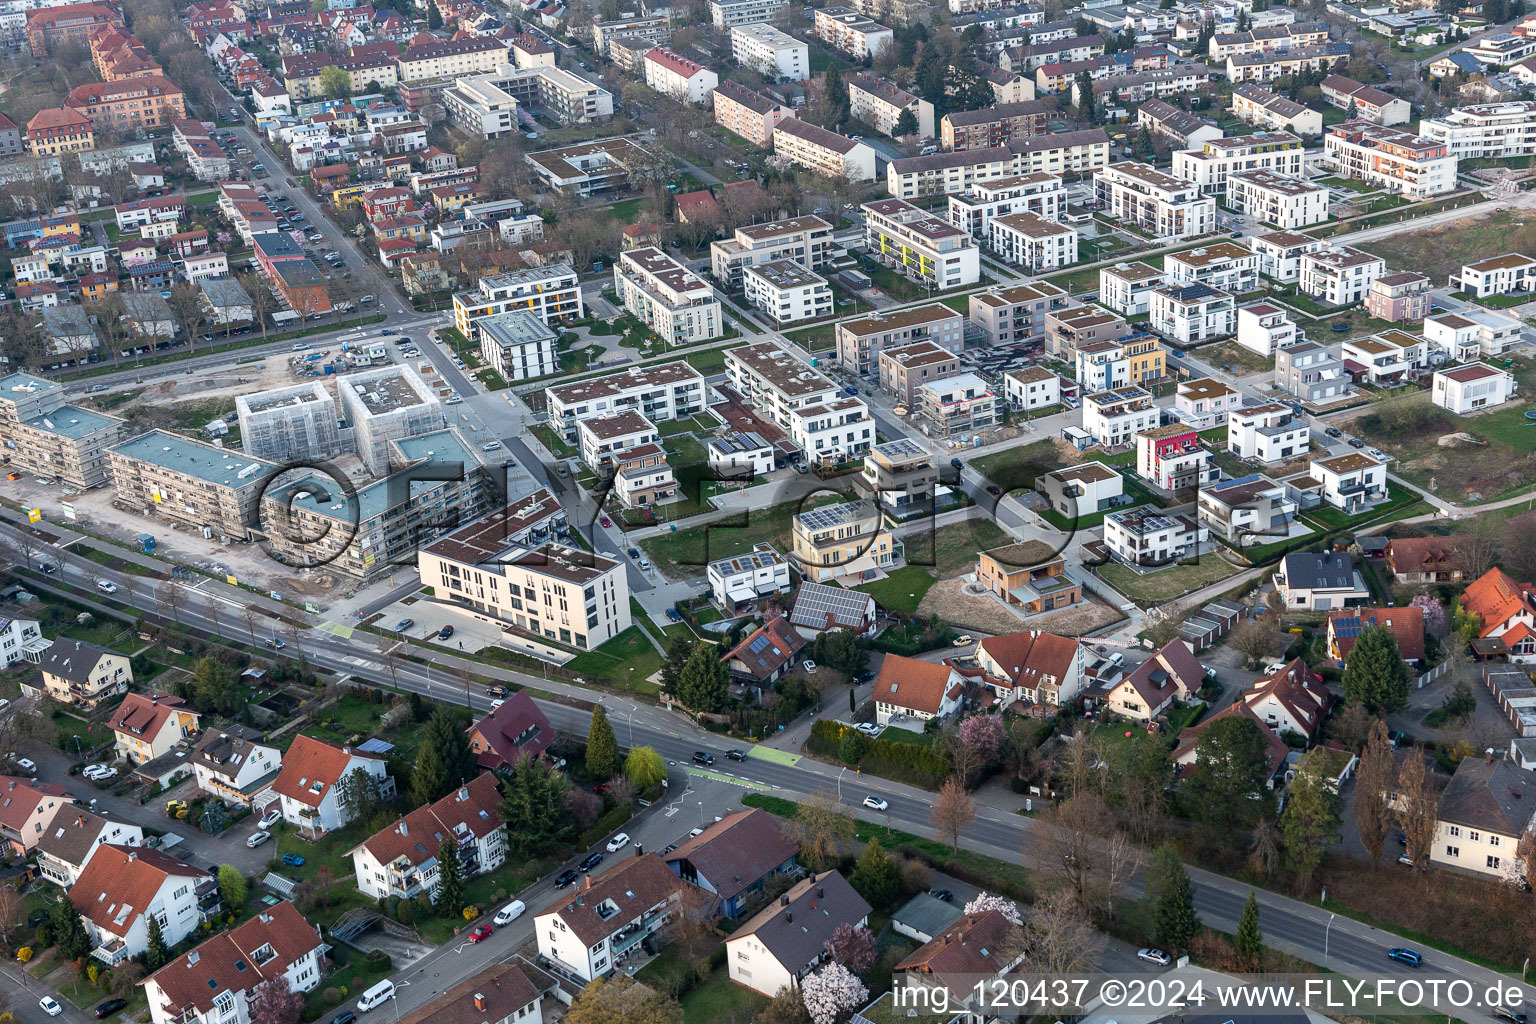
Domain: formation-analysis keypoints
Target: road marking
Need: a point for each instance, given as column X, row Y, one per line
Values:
column 730, row 779
column 339, row 629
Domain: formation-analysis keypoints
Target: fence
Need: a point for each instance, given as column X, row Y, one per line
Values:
column 1433, row 674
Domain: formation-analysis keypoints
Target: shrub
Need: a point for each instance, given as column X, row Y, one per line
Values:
column 405, row 912
column 378, row 959
column 331, row 994
column 343, row 991
column 24, row 954
column 470, row 913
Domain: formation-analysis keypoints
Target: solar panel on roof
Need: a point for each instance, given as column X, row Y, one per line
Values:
column 375, row 746
column 757, row 644
column 815, row 602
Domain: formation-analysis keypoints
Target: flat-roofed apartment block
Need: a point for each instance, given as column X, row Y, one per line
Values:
column 1213, row 163
column 805, row 240
column 602, row 438
column 1067, row 330
column 940, row 174
column 1127, row 287
column 787, row 292
column 654, row 29
column 880, row 102
column 1193, row 312
column 1268, row 66
column 1351, row 483
column 1496, row 130
column 1250, row 510
column 816, row 149
column 1011, row 315
column 1171, row 457
column 962, row 404
column 1399, row 297
column 671, row 391
column 46, row 437
column 860, row 342
column 1159, row 204
column 1267, row 110
column 590, row 167
column 553, row 294
column 672, row 300
column 802, row 401
column 1264, row 327
column 573, row 597
column 1311, row 372
column 674, row 75
column 747, row 113
column 1223, row 265
column 1180, row 127
column 1146, row 536
column 964, row 130
column 1204, row 402
column 920, row 246
column 1365, row 102
column 1386, row 357
column 740, row 581
column 1116, row 416
column 1083, row 490
column 1269, row 433
column 1497, row 275
column 1469, row 333
column 384, row 404
column 297, row 423
column 1280, row 253
column 845, row 29
column 1039, row 587
column 1277, row 200
column 846, row 539
column 1031, row 388
column 903, row 369
column 435, row 482
column 1039, row 194
column 1472, row 387
column 1031, row 242
column 518, row 345
column 486, row 105
column 190, row 482
column 1136, row 359
column 728, row 14
column 1340, row 276
column 901, row 476
column 1396, row 160
column 776, row 55
column 1266, row 38
column 641, row 477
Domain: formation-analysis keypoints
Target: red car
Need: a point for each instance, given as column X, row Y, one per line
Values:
column 484, row 931
column 605, row 520
column 601, row 788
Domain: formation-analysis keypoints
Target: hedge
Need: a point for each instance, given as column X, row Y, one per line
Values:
column 889, row 759
column 606, row 824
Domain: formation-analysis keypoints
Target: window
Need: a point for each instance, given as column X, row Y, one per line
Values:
column 1453, row 851
column 1493, row 862
column 1475, row 836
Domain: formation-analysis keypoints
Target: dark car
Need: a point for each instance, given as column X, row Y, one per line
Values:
column 942, row 894
column 699, row 757
column 110, row 1007
column 634, row 552
column 735, row 755
column 344, row 1017
column 862, row 677
column 566, row 877
column 957, row 463
column 994, row 490
column 496, row 691
column 1355, row 442
column 592, row 861
column 1334, row 432
column 1513, row 1016
column 445, row 633
column 1405, row 956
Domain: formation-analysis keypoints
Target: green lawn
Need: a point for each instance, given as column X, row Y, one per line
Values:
column 625, row 661
column 720, row 999
column 1016, row 468
column 949, row 550
column 687, row 551
column 1234, row 358
column 683, row 451
column 1166, row 584
column 901, row 591
column 553, row 441
column 1349, row 183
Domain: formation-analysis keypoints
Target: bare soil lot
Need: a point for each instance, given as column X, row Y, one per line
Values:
column 1440, row 252
column 984, row 613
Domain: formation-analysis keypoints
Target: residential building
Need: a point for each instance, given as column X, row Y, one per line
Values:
column 742, row 581
column 1032, row 388
column 1058, row 153
column 1275, row 753
column 75, row 672
column 451, row 58
column 1267, row 433
column 515, row 730
column 1080, row 491
column 1127, row 288
column 909, row 693
column 860, row 342
column 1172, row 674
column 653, row 29
column 1136, row 359
column 848, row 539
column 551, row 293
column 1490, row 130
column 233, row 764
column 20, row 638
column 487, row 104
column 843, row 28
column 1191, row 313
column 1067, row 330
column 1158, row 204
column 47, row 438
column 1425, row 560
column 1031, row 242
column 787, row 292
column 674, row 75
column 1471, row 387
column 920, row 246
column 1264, row 328
column 751, row 115
column 1400, row 161
column 586, row 930
column 819, row 608
column 1280, row 253
column 880, row 102
column 503, row 993
column 1212, row 165
column 1351, row 483
column 1040, row 194
column 730, row 14
column 1204, row 402
column 1172, row 458
column 1292, row 699
column 1145, row 536
column 72, row 837
column 901, row 476
column 1225, row 266
column 989, row 127
column 1035, row 667
column 307, row 783
column 131, row 105
column 819, row 419
column 1484, row 815
column 761, row 47
column 1385, row 358
column 733, row 858
column 1311, row 372
column 148, row 725
column 1182, row 129
column 1508, row 274
column 823, row 152
column 27, row 807
column 1017, row 314
column 670, row 391
column 122, row 887
column 1405, row 624
column 1340, row 276
column 903, row 370
column 1365, row 102
column 1266, row 66
column 1266, row 39
column 518, row 345
column 1506, row 610
column 671, row 299
column 1248, row 510
column 960, row 404
column 787, row 939
column 406, row 859
column 1032, row 577
column 1468, row 333
column 1116, row 416
column 1279, row 201
column 54, row 131
column 1272, row 112
column 48, row 28
column 385, row 404
column 740, row 455
column 1501, row 48
column 297, row 423
column 803, row 240
column 189, row 481
column 1398, row 297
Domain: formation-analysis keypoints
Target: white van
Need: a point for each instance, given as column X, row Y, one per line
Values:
column 509, row 913
column 375, row 996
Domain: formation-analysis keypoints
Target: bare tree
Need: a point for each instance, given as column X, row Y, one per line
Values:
column 1264, row 849
column 169, row 597
column 1058, row 936
column 109, row 317
column 1373, row 785
column 1477, row 545
column 693, row 928
column 1254, row 640
column 187, row 306
column 953, row 811
column 249, row 614
column 1417, row 810
column 262, row 299
column 822, row 827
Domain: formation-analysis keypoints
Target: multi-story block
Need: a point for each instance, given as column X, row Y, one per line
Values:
column 1351, row 483
column 787, row 292
column 1270, row 111
column 1195, row 312
column 1210, row 166
column 751, row 115
column 901, row 476
column 1182, row 129
column 860, row 342
column 963, row 404
column 603, row 438
column 1387, row 357
column 674, row 75
column 1225, row 266
column 988, row 127
column 1039, row 194
column 1340, row 276
column 452, row 58
column 1079, row 152
column 803, row 240
column 518, row 345
column 384, row 404
column 1311, row 372
column 920, row 246
column 487, row 105
column 1280, row 253
column 190, row 482
column 904, row 369
column 1102, row 365
column 1172, row 458
column 1042, row 587
column 1279, row 201
column 1247, row 511
column 653, row 29
column 56, row 130
column 1009, row 315
column 1067, row 330
column 671, row 391
column 298, row 423
column 843, row 28
column 1399, row 297
column 1400, row 161
column 1365, row 102
column 846, row 539
column 1501, row 49
column 774, row 54
column 1031, row 242
column 880, row 102
column 1270, row 65
column 46, row 438
column 1032, row 388
column 1145, row 536
column 801, row 401
column 1496, row 130
column 1158, row 204
column 823, row 152
column 405, row 859
column 730, row 14
column 672, row 300
column 1267, row 433
column 1264, row 328
column 1469, row 333
column 1471, row 388
column 1116, row 416
column 1127, row 287
column 54, row 25
column 123, row 887
column 552, row 293
column 740, row 581
column 1265, row 39
column 1508, row 274
column 1204, row 402
column 1081, row 491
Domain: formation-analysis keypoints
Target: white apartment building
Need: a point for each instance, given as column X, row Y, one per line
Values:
column 845, row 29
column 122, row 887
column 880, row 102
column 1127, row 288
column 803, row 240
column 1263, row 328
column 1496, row 130
column 1268, row 433
column 1277, row 200
column 1267, row 110
column 1160, row 205
column 1145, row 536
column 602, row 439
column 731, row 14
column 1270, row 65
column 1030, row 242
column 1212, row 164
column 1471, row 388
column 816, row 149
column 1116, row 416
column 1469, row 334
column 1415, row 167
column 673, row 301
column 937, row 174
column 553, row 294
column 671, row 391
column 765, row 49
column 1195, row 312
column 1351, row 483
column 920, row 246
column 1172, row 458
column 1204, row 402
column 787, row 292
column 487, row 105
column 1280, row 253
column 1225, row 266
column 518, row 345
column 405, row 859
column 860, row 342
column 1031, row 388
column 1340, row 276
column 1497, row 275
column 1388, row 356
column 1040, row 194
column 309, row 783
column 741, row 580
column 674, row 75
column 800, row 400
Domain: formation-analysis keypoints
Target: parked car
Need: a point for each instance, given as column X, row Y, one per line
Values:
column 566, row 877
column 994, row 490
column 874, row 803
column 1355, row 442
column 50, row 1006
column 109, row 1007
column 1334, row 432
column 344, row 1017
column 293, row 860
column 483, row 931
column 808, row 665
column 445, row 633
column 272, row 817
column 1404, row 955
column 509, row 913
column 404, row 624
column 103, row 774
column 257, row 838
column 942, row 895
column 29, row 766
column 1154, row 956
column 591, row 861
column 618, row 842
column 963, row 640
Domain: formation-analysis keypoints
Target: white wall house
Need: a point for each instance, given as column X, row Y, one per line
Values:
column 1470, row 388
column 234, row 765
column 123, row 886
column 1191, row 313
column 1469, row 333
column 1127, row 288
column 1485, row 811
column 1263, row 327
column 1268, row 433
column 308, row 780
column 405, row 859
column 1351, row 483
column 1340, row 276
column 742, row 580
column 71, row 839
column 1031, row 388
column 674, row 75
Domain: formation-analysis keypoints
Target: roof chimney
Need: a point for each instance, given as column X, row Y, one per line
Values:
column 821, row 892
column 789, row 916
column 784, row 899
column 588, row 884
column 479, row 1001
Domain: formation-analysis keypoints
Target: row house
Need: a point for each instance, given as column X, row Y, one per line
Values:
column 1136, row 359
column 1269, row 65
column 1365, row 102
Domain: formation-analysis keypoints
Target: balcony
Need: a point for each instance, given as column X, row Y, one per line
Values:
column 111, row 953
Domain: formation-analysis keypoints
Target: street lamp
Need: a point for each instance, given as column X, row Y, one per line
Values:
column 1325, row 938
column 840, row 783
